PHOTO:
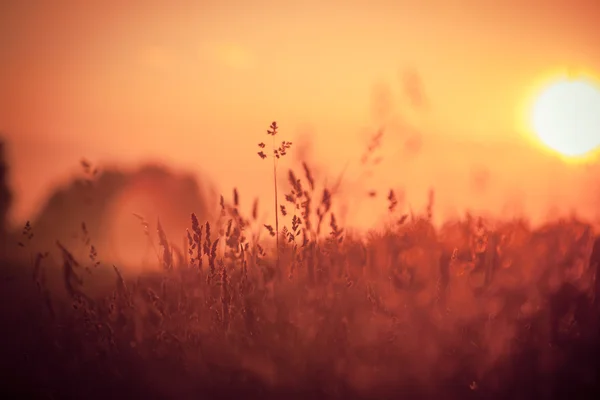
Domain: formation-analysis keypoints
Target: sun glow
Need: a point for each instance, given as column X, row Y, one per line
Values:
column 566, row 117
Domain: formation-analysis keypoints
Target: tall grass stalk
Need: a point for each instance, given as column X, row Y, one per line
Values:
column 278, row 152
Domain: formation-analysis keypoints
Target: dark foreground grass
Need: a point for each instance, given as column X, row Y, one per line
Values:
column 476, row 309
column 394, row 315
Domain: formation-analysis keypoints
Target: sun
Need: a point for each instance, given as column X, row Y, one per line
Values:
column 566, row 117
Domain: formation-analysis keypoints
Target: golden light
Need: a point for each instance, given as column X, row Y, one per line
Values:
column 566, row 117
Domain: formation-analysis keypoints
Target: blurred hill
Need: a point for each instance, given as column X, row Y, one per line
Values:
column 109, row 210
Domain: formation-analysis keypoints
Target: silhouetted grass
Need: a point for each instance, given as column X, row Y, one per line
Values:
column 476, row 309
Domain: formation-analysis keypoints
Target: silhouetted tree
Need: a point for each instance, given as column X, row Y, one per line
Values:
column 595, row 265
column 96, row 203
column 5, row 193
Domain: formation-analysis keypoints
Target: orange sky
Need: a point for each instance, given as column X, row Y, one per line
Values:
column 196, row 83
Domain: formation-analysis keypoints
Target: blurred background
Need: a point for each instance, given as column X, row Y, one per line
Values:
column 195, row 84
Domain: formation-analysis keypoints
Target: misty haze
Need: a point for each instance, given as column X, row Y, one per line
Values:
column 272, row 200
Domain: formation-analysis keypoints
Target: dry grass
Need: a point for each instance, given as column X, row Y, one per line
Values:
column 476, row 309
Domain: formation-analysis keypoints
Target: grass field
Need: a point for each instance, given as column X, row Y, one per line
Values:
column 474, row 309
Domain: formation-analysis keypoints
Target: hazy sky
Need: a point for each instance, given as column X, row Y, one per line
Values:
column 197, row 83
